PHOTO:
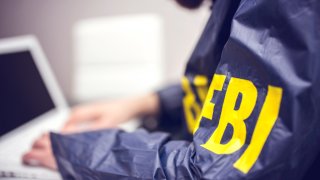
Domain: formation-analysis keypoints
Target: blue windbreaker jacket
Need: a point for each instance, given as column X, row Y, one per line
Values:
column 249, row 102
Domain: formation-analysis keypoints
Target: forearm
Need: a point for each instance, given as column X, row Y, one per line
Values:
column 147, row 105
column 137, row 155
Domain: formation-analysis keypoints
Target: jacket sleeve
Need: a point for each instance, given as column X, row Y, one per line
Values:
column 260, row 119
column 171, row 111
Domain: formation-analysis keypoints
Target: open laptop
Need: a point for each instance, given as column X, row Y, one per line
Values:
column 31, row 103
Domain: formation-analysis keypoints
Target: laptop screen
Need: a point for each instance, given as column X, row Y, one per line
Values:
column 23, row 94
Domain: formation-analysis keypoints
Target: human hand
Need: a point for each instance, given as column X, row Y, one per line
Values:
column 40, row 154
column 102, row 115
column 96, row 116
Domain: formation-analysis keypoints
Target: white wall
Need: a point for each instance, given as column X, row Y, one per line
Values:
column 52, row 22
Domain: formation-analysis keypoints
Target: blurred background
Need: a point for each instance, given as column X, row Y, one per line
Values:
column 108, row 48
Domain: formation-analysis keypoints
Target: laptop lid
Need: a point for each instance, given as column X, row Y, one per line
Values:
column 28, row 88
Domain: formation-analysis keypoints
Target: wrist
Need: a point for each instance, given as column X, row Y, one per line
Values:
column 147, row 105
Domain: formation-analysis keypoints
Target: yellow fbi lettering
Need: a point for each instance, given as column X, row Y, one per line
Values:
column 236, row 118
column 192, row 109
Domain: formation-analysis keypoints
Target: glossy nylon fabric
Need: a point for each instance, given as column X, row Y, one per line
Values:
column 272, row 43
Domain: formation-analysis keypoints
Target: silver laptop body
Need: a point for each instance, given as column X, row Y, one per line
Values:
column 31, row 103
